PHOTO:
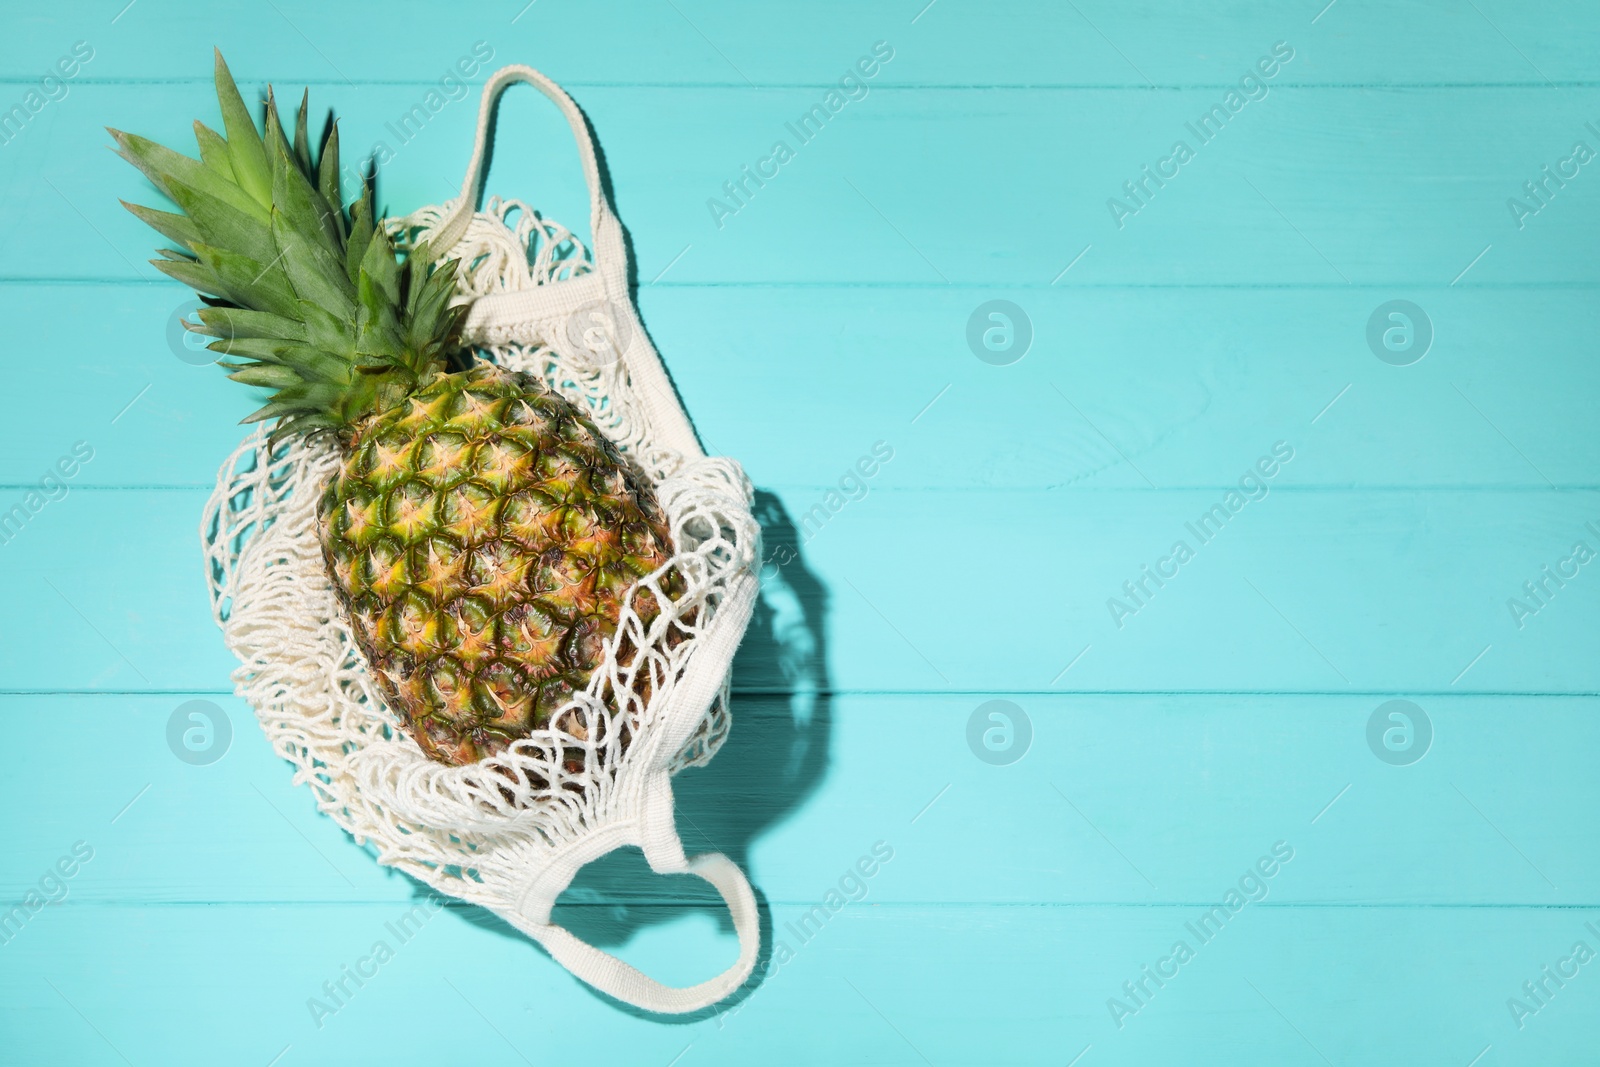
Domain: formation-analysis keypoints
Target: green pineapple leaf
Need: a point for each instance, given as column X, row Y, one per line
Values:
column 307, row 364
column 178, row 228
column 265, row 376
column 241, row 322
column 195, row 275
column 361, row 229
column 302, row 141
column 162, row 165
column 222, row 224
column 328, row 179
column 213, row 150
column 245, row 150
column 293, row 195
column 379, row 264
column 248, row 282
column 311, row 272
column 378, row 329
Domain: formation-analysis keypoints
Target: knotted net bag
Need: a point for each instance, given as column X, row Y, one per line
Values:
column 510, row 832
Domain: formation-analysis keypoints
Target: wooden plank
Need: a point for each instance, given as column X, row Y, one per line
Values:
column 1301, row 188
column 1328, row 591
column 95, row 985
column 1009, row 43
column 1082, row 816
column 1122, row 388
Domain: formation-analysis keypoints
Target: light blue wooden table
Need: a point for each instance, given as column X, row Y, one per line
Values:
column 1205, row 343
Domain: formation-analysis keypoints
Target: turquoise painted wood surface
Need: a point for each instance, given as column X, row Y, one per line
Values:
column 1177, row 734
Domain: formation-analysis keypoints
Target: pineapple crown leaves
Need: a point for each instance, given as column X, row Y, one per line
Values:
column 307, row 296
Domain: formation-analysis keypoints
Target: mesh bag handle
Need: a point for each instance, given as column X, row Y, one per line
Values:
column 609, row 252
column 608, row 283
column 621, row 980
column 611, row 975
column 649, row 382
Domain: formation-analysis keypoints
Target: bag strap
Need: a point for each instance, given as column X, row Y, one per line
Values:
column 610, row 252
column 530, row 912
column 608, row 282
column 611, row 975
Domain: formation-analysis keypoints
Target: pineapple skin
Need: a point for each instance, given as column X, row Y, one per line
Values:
column 483, row 535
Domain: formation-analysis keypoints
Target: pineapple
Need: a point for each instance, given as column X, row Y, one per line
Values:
column 481, row 532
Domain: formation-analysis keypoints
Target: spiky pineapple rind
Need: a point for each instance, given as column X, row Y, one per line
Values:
column 484, row 537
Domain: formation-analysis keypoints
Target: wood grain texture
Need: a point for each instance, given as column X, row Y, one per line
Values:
column 1082, row 820
column 1284, row 598
column 1176, row 733
column 1010, row 43
column 1307, row 187
column 1123, row 388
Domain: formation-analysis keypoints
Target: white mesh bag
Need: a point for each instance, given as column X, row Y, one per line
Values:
column 510, row 832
